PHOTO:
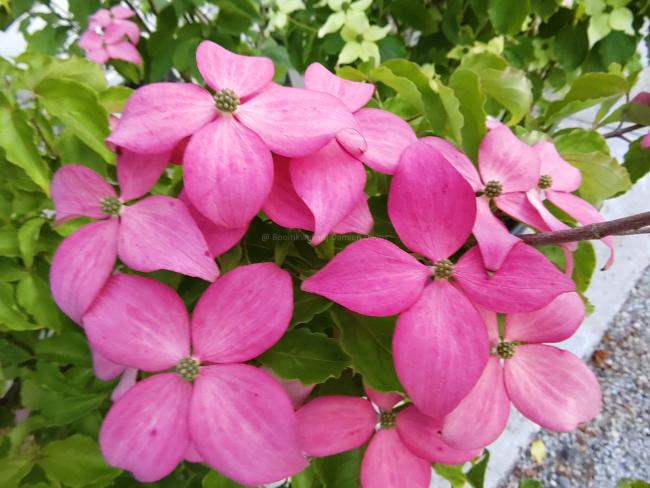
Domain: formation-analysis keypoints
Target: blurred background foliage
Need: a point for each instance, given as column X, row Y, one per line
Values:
column 444, row 66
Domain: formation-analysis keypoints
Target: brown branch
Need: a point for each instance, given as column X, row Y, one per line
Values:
column 620, row 132
column 634, row 224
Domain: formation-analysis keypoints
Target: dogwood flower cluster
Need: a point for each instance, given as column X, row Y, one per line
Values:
column 111, row 36
column 302, row 155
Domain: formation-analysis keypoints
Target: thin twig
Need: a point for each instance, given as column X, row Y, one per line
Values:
column 633, row 224
column 620, row 132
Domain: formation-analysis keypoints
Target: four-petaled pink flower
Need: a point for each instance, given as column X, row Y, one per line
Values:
column 402, row 442
column 324, row 191
column 228, row 167
column 440, row 345
column 111, row 36
column 551, row 387
column 154, row 233
column 203, row 404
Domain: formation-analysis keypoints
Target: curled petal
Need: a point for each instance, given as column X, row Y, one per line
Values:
column 385, row 401
column 243, row 424
column 358, row 221
column 555, row 322
column 440, row 349
column 494, row 239
column 430, row 204
column 77, row 191
column 159, row 233
column 372, row 277
column 421, row 434
column 388, row 462
column 121, row 29
column 352, row 141
column 104, row 368
column 138, row 173
column 81, row 265
column 354, row 94
column 127, row 381
column 333, row 424
column 295, row 122
column 457, row 159
column 566, row 177
column 331, row 184
column 228, row 172
column 140, row 323
column 146, row 431
column 527, row 280
column 551, row 387
column 159, row 115
column 504, row 158
column 386, row 135
column 483, row 414
column 222, row 69
column 242, row 314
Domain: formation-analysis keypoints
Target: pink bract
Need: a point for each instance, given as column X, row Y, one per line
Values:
column 551, row 387
column 401, row 444
column 228, row 167
column 154, row 233
column 235, row 417
column 440, row 344
column 111, row 36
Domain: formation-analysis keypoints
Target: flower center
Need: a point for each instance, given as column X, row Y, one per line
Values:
column 111, row 205
column 345, row 6
column 188, row 368
column 545, row 182
column 506, row 350
column 493, row 189
column 227, row 100
column 387, row 420
column 359, row 38
column 443, row 269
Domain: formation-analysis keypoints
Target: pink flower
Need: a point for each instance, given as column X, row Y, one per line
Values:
column 202, row 403
column 551, row 387
column 557, row 183
column 402, row 443
column 113, row 22
column 324, row 190
column 228, row 168
column 440, row 344
column 154, row 233
column 101, row 48
column 508, row 169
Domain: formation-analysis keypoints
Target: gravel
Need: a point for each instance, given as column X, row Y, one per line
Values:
column 617, row 444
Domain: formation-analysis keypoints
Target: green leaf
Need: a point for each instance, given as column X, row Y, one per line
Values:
column 637, row 161
column 78, row 107
column 34, row 296
column 617, row 47
column 367, row 340
column 9, row 270
column 453, row 474
column 17, row 140
column 528, row 483
column 216, row 480
column 307, row 356
column 415, row 14
column 308, row 478
column 571, row 45
column 67, row 348
column 602, row 176
column 584, row 262
column 599, row 27
column 580, row 141
column 114, row 98
column 74, row 69
column 476, row 475
column 11, row 317
column 511, row 89
column 341, row 470
column 466, row 84
column 9, row 242
column 13, row 469
column 632, row 484
column 306, row 306
column 81, row 9
column 76, row 462
column 28, row 238
column 507, row 16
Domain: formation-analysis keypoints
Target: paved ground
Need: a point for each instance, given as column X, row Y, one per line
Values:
column 617, row 444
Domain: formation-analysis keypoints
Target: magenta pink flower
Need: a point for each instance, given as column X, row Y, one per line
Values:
column 402, row 443
column 551, row 387
column 329, row 184
column 557, row 183
column 440, row 344
column 508, row 169
column 111, row 36
column 228, row 168
column 202, row 403
column 154, row 233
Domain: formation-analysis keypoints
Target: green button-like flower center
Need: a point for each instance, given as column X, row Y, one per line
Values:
column 227, row 100
column 111, row 205
column 188, row 368
column 443, row 269
column 506, row 350
column 545, row 182
column 493, row 189
column 387, row 420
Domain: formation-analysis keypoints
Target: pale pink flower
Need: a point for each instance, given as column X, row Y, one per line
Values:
column 402, row 444
column 551, row 387
column 440, row 344
column 329, row 184
column 228, row 167
column 113, row 22
column 103, row 47
column 203, row 403
column 154, row 233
